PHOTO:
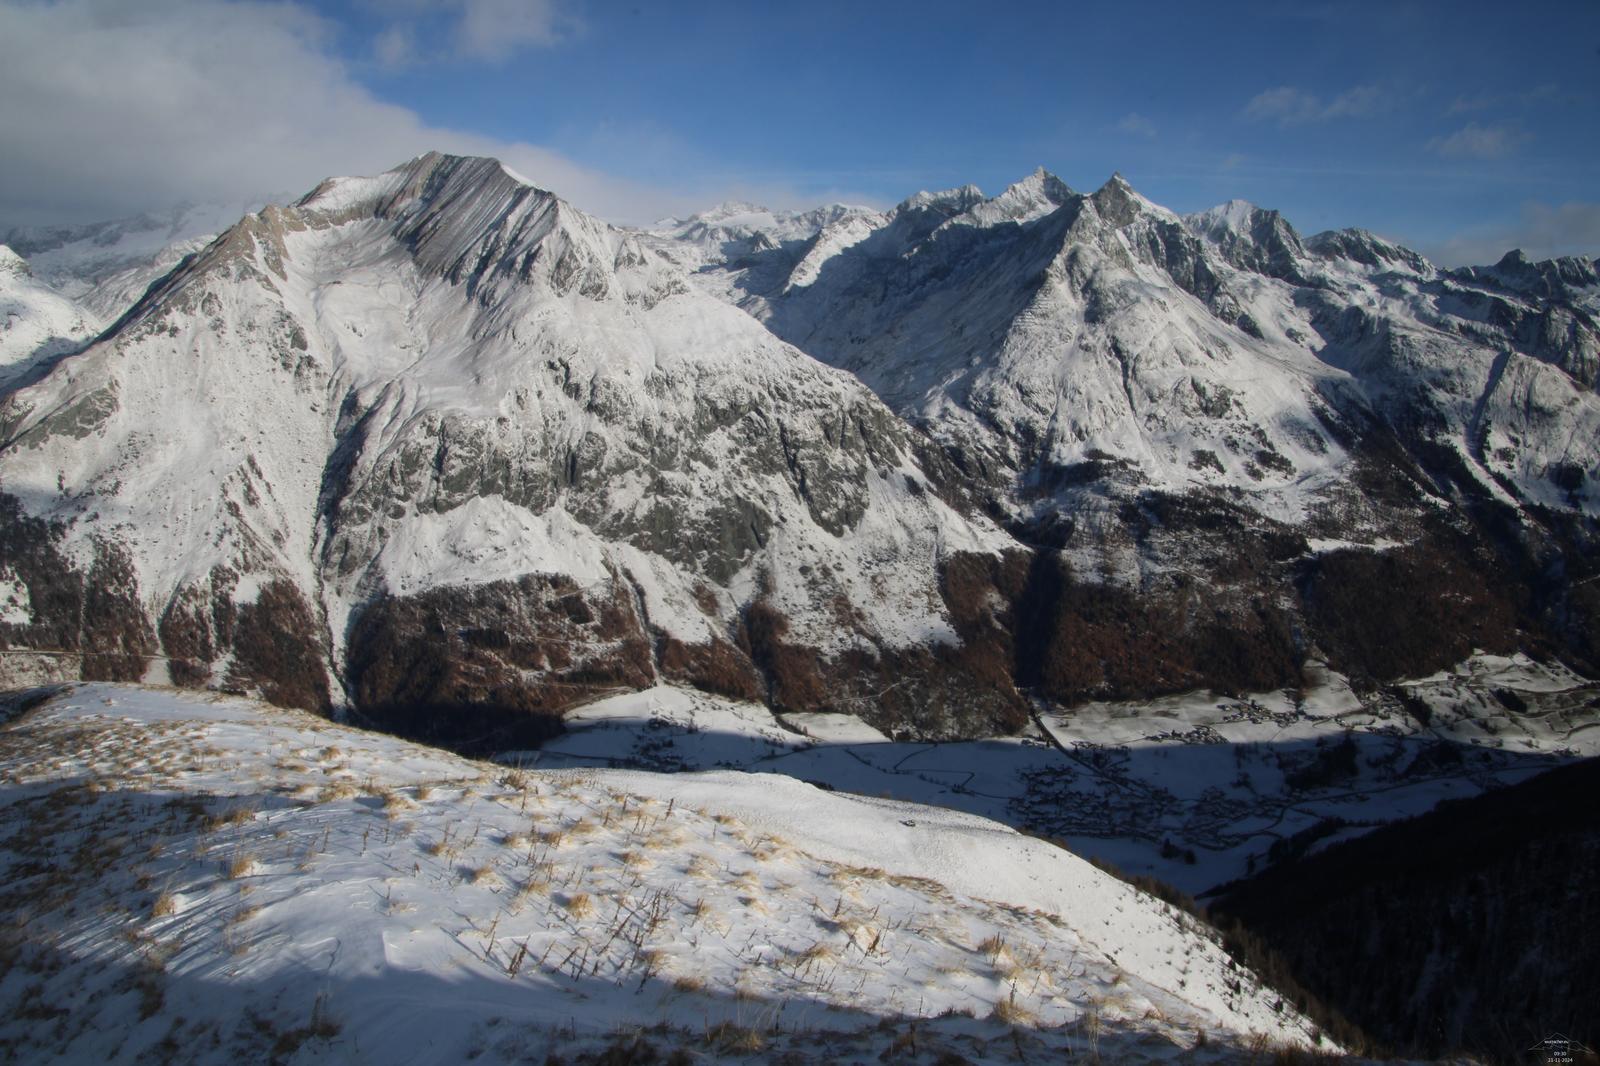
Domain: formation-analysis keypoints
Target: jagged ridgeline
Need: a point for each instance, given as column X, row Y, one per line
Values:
column 1227, row 447
column 436, row 445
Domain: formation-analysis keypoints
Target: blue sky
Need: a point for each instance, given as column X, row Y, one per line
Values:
column 1457, row 127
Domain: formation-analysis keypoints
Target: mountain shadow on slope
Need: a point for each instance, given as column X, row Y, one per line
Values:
column 1475, row 927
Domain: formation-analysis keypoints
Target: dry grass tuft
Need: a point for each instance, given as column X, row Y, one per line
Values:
column 240, row 866
column 227, row 819
column 396, row 803
column 736, row 1039
column 816, row 954
column 667, row 835
column 992, row 947
column 1009, row 1012
column 770, row 849
column 338, row 790
column 926, row 886
column 849, row 875
column 579, row 904
column 166, row 904
column 701, row 866
column 864, row 935
column 534, row 885
column 731, row 1039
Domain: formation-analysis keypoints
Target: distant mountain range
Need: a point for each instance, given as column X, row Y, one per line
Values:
column 436, row 446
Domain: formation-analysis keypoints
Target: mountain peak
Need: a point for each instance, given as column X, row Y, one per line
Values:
column 466, row 219
column 952, row 201
column 1034, row 196
column 726, row 212
column 424, row 177
column 1235, row 216
column 1547, row 278
column 1367, row 249
column 12, row 263
column 1251, row 238
column 1119, row 204
column 1040, row 183
column 1044, row 180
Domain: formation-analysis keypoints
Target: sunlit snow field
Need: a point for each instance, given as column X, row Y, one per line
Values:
column 209, row 879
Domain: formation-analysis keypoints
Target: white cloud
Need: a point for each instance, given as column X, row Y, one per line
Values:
column 1289, row 106
column 396, row 46
column 1473, row 141
column 494, row 29
column 1543, row 231
column 1135, row 123
column 1538, row 96
column 1355, row 103
column 489, row 31
column 113, row 108
column 1285, row 105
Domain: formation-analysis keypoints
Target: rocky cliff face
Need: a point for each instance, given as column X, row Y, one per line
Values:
column 437, row 446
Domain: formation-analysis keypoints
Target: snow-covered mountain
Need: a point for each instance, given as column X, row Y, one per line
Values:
column 36, row 322
column 437, row 446
column 1218, row 430
column 60, row 285
column 736, row 229
column 77, row 259
column 438, row 443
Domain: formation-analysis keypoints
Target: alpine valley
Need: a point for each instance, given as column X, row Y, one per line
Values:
column 1189, row 539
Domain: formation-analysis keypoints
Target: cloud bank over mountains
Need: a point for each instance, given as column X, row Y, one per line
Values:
column 116, row 108
column 113, row 109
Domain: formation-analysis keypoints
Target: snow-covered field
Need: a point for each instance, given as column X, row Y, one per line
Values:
column 1195, row 789
column 193, row 878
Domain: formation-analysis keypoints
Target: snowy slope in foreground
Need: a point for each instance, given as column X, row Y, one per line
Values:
column 272, row 883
